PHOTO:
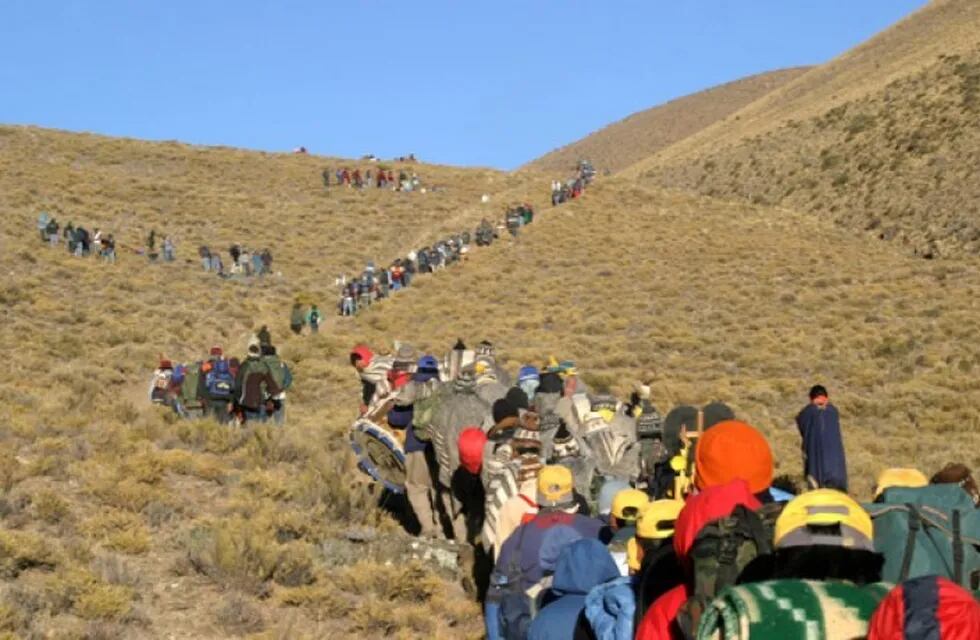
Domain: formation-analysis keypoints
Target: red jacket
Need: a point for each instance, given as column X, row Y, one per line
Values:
column 710, row 504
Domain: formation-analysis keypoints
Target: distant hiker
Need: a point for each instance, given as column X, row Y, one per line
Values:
column 824, row 461
column 205, row 254
column 263, row 335
column 109, row 249
column 326, row 177
column 254, row 385
column 313, row 319
column 266, row 261
column 151, row 243
column 217, row 266
column 42, row 225
column 283, row 377
column 219, row 383
column 169, row 251
column 297, row 320
column 235, row 251
column 52, row 232
column 258, row 268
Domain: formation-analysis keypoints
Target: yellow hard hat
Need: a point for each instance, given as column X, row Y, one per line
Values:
column 555, row 486
column 656, row 521
column 628, row 504
column 824, row 517
column 633, row 555
column 898, row 477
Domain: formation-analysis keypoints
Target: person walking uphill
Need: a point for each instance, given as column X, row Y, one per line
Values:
column 297, row 319
column 824, row 462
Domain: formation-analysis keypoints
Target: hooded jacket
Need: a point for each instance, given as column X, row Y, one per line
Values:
column 582, row 566
column 823, row 448
column 610, row 609
column 711, row 504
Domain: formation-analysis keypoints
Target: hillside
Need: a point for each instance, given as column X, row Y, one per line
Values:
column 644, row 133
column 116, row 521
column 882, row 139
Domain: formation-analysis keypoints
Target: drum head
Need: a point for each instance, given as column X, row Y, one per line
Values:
column 379, row 454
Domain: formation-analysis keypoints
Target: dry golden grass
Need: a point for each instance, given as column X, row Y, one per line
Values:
column 882, row 139
column 117, row 520
column 641, row 135
column 196, row 510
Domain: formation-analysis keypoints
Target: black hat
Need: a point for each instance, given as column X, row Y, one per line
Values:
column 517, row 398
column 818, row 390
column 715, row 412
column 503, row 409
column 550, row 383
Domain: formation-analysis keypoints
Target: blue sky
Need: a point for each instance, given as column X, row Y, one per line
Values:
column 469, row 83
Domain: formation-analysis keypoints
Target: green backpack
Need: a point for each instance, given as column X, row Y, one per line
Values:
column 423, row 411
column 721, row 550
column 932, row 530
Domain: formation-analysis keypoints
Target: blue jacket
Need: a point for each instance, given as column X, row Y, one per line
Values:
column 610, row 609
column 823, row 448
column 582, row 566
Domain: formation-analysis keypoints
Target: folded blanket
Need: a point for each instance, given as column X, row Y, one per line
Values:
column 781, row 609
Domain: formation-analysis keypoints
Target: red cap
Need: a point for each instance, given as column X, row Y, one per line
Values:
column 216, row 351
column 471, row 442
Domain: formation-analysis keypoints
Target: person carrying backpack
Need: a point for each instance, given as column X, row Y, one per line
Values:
column 219, row 383
column 824, row 462
column 734, row 470
column 283, row 378
column 313, row 319
column 582, row 566
column 254, row 385
column 422, row 395
column 518, row 567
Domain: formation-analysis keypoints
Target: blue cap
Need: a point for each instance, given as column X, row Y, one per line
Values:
column 528, row 372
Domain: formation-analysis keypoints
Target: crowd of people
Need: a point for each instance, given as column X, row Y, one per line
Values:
column 229, row 389
column 582, row 515
column 378, row 177
column 572, row 188
column 78, row 240
column 373, row 284
column 243, row 263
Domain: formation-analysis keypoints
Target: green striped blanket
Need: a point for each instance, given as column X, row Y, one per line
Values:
column 783, row 609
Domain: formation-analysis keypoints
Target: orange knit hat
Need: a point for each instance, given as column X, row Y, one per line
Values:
column 730, row 450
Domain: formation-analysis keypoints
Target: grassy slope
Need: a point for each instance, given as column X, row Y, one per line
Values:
column 643, row 134
column 115, row 519
column 884, row 138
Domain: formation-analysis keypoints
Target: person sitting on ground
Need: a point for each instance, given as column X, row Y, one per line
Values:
column 825, row 464
column 582, row 566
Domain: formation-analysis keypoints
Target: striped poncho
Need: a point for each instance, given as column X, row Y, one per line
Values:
column 803, row 609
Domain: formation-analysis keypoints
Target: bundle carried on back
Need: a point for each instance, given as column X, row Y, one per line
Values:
column 802, row 609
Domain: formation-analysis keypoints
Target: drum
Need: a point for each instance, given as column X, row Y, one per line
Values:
column 379, row 454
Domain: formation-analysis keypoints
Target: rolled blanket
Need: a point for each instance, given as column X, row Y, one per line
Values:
column 803, row 609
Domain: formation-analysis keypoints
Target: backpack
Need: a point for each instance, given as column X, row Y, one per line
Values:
column 314, row 318
column 188, row 390
column 219, row 381
column 933, row 530
column 721, row 550
column 161, row 384
column 423, row 411
column 514, row 612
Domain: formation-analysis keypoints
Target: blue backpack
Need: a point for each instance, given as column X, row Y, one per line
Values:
column 219, row 381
